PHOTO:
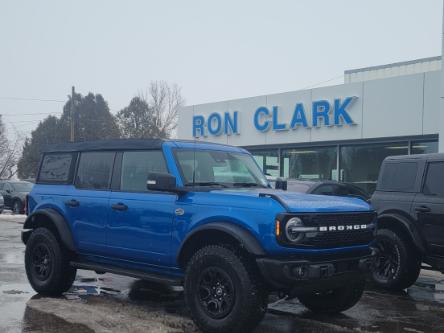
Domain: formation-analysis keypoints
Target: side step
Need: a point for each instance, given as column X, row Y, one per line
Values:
column 127, row 272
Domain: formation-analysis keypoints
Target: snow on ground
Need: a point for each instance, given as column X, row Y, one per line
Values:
column 7, row 216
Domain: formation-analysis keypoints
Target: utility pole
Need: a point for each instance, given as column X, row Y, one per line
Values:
column 72, row 114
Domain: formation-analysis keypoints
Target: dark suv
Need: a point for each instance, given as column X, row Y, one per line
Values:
column 409, row 199
column 14, row 194
column 194, row 214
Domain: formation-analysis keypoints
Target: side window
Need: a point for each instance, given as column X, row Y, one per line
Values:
column 434, row 181
column 136, row 165
column 56, row 168
column 398, row 176
column 94, row 171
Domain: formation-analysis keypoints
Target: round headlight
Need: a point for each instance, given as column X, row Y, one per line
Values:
column 293, row 229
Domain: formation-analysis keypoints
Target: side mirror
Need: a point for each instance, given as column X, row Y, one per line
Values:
column 161, row 182
column 281, row 184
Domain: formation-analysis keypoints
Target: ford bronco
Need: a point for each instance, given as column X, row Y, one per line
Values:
column 195, row 214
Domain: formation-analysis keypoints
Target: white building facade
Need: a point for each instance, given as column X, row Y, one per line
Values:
column 340, row 132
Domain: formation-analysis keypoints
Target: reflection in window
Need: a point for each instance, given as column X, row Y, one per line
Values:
column 268, row 160
column 424, row 147
column 136, row 165
column 359, row 164
column 310, row 163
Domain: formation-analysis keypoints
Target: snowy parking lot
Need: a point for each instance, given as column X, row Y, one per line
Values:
column 110, row 303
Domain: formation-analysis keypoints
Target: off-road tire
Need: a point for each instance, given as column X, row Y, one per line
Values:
column 335, row 300
column 409, row 263
column 250, row 300
column 60, row 275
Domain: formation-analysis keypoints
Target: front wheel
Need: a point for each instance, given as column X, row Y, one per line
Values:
column 47, row 264
column 223, row 291
column 335, row 300
column 398, row 264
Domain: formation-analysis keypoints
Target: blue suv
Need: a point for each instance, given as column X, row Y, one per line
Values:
column 195, row 214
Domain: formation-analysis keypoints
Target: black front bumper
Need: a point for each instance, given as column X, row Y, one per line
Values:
column 284, row 274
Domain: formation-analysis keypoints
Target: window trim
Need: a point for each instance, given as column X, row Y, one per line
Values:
column 72, row 169
column 77, row 170
column 424, row 179
column 116, row 183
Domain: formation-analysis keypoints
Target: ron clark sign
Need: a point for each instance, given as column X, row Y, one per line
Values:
column 323, row 113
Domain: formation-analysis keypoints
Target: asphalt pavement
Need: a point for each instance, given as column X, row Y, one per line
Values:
column 110, row 303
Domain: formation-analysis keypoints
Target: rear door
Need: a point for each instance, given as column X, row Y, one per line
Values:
column 429, row 207
column 87, row 204
column 140, row 224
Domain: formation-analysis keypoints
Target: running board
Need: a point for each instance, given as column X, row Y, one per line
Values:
column 127, row 272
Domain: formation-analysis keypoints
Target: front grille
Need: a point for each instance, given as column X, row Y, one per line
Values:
column 339, row 238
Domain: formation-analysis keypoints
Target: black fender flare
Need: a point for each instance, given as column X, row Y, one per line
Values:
column 409, row 226
column 242, row 235
column 53, row 217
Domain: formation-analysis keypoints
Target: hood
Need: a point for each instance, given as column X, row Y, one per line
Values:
column 301, row 202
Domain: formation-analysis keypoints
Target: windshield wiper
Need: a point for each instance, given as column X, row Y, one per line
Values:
column 247, row 185
column 206, row 184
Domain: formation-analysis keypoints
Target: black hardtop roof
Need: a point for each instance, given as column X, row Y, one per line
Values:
column 416, row 157
column 114, row 144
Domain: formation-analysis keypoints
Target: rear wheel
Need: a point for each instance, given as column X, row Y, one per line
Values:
column 335, row 300
column 47, row 264
column 223, row 291
column 398, row 264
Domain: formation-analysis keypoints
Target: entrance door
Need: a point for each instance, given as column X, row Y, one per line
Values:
column 140, row 224
column 429, row 207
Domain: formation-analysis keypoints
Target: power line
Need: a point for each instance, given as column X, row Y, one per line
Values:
column 29, row 99
column 29, row 114
column 322, row 82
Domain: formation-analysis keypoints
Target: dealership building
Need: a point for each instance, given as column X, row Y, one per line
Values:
column 340, row 132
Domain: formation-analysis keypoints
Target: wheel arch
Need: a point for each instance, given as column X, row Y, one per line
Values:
column 402, row 225
column 217, row 233
column 52, row 220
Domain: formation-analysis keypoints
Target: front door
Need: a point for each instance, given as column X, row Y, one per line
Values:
column 141, row 221
column 429, row 207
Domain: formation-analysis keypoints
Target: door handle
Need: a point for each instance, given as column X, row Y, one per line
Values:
column 422, row 209
column 119, row 206
column 72, row 203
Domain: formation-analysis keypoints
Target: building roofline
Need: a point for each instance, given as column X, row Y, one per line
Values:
column 401, row 63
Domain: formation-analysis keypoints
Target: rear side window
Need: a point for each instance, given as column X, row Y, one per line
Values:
column 56, row 168
column 94, row 171
column 398, row 176
column 136, row 165
column 434, row 181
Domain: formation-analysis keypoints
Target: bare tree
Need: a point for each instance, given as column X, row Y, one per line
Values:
column 8, row 154
column 165, row 102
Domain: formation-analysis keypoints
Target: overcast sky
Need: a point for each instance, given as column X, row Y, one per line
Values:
column 215, row 50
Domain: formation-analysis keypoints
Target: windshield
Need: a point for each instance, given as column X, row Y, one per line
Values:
column 22, row 187
column 219, row 168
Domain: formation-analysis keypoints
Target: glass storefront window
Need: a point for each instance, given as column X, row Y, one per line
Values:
column 359, row 164
column 313, row 163
column 268, row 160
column 424, row 147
